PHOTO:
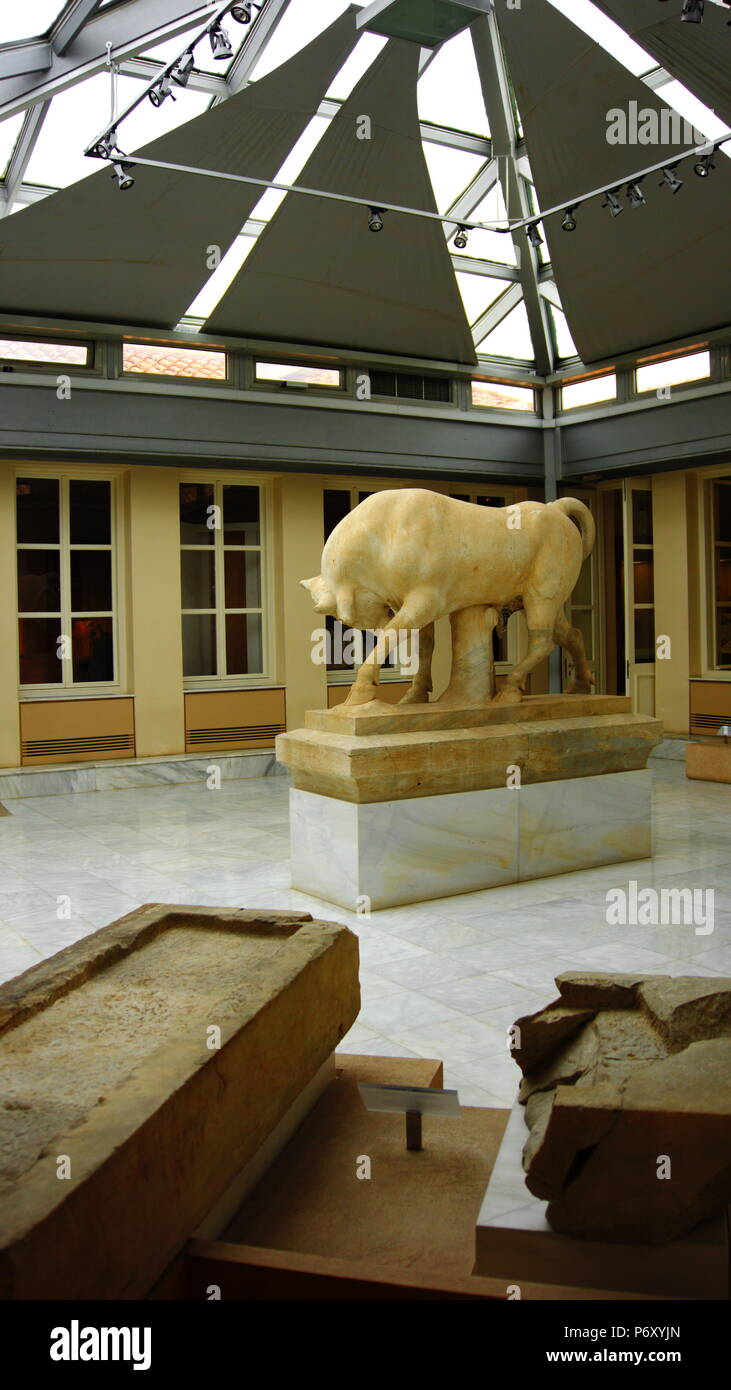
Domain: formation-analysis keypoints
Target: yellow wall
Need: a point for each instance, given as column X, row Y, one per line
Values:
column 672, row 610
column 9, row 719
column 156, row 661
column 299, row 510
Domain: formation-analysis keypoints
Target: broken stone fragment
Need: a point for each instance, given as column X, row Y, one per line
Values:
column 686, row 1008
column 539, row 1035
column 630, row 1114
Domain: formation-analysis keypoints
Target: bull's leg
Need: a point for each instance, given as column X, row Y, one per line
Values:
column 572, row 641
column 540, row 616
column 418, row 612
column 421, row 685
column 472, row 681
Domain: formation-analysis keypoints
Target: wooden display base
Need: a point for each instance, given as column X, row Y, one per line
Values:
column 313, row 1230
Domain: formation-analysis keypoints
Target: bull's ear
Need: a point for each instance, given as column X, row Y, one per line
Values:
column 311, row 583
column 322, row 598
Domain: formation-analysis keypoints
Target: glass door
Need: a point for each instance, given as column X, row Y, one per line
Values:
column 639, row 594
column 581, row 609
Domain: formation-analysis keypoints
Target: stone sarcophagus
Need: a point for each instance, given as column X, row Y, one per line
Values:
column 143, row 1073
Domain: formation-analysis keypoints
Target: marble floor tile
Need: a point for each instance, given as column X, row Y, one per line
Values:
column 444, row 979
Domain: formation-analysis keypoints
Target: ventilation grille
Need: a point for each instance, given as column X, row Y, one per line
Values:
column 703, row 723
column 89, row 745
column 249, row 733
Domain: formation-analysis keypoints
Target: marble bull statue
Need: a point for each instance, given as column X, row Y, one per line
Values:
column 405, row 557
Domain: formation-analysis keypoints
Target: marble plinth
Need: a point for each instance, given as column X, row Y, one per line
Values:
column 395, row 852
column 513, row 1241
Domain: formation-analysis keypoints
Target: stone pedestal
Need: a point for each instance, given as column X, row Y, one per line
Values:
column 708, row 762
column 406, row 804
column 514, row 1241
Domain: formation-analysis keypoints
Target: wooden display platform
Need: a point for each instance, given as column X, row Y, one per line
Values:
column 313, row 1230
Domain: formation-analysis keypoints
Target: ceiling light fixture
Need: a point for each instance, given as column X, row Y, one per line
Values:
column 704, row 166
column 635, row 196
column 569, row 221
column 612, row 202
column 375, row 220
column 122, row 175
column 221, row 46
column 159, row 93
column 533, row 234
column 242, row 13
column 693, row 11
column 181, row 73
column 460, row 239
column 670, row 179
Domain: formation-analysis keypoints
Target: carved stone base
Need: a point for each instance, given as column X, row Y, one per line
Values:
column 514, row 1241
column 380, row 752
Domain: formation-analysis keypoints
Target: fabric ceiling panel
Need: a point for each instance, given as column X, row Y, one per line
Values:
column 653, row 274
column 698, row 55
column 139, row 257
column 318, row 275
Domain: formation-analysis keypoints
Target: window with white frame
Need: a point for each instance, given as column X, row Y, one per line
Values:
column 223, row 580
column 720, row 568
column 66, row 582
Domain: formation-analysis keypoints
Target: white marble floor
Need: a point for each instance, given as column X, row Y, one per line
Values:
column 442, row 979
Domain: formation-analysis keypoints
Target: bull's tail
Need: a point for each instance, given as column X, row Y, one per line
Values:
column 572, row 507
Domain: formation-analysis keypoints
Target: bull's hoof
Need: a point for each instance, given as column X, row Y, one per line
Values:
column 508, row 696
column 579, row 688
column 414, row 697
column 358, row 696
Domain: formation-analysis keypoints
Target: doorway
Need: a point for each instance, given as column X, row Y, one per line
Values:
column 627, row 556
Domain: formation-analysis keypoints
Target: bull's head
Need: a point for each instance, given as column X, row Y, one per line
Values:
column 322, row 597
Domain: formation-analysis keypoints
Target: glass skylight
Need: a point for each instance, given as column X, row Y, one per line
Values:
column 478, row 293
column 449, row 95
column 9, row 132
column 607, row 34
column 80, row 113
column 215, row 288
column 451, row 171
column 511, row 338
column 30, row 20
column 450, row 92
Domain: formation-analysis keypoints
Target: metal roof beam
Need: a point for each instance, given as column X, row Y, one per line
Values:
column 130, row 29
column 71, row 22
column 20, row 59
column 496, row 312
column 20, row 158
column 498, row 104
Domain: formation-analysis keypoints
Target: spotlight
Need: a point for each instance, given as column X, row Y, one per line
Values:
column 220, row 42
column 670, row 179
column 106, row 146
column 569, row 221
column 460, row 239
column 122, row 175
column 183, row 69
column 375, row 220
column 704, row 166
column 159, row 93
column 242, row 13
column 693, row 11
column 635, row 196
column 613, row 203
column 534, row 235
